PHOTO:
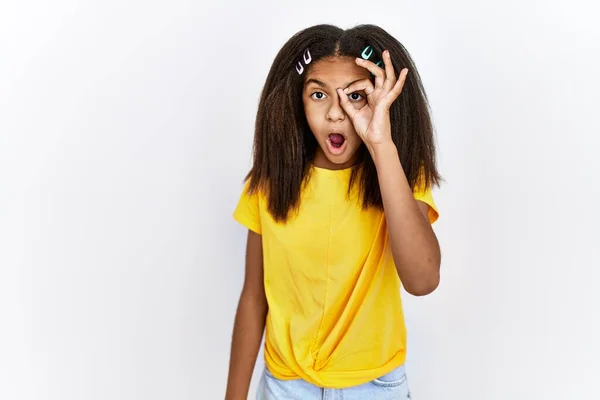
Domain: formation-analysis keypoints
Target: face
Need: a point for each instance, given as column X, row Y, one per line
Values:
column 333, row 129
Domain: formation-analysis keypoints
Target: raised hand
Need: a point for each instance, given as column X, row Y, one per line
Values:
column 372, row 122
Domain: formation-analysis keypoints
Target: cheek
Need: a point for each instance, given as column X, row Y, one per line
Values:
column 313, row 113
column 359, row 104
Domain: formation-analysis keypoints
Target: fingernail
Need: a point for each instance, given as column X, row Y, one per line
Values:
column 346, row 90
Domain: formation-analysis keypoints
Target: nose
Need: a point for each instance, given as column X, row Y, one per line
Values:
column 335, row 112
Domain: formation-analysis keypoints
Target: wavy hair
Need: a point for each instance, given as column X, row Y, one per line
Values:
column 284, row 145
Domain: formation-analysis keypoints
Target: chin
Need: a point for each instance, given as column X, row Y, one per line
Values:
column 341, row 156
column 341, row 160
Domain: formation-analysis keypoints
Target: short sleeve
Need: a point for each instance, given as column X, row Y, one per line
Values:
column 424, row 194
column 247, row 211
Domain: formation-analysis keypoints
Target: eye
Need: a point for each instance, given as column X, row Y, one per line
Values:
column 317, row 96
column 355, row 96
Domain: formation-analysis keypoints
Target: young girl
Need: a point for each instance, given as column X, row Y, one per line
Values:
column 339, row 209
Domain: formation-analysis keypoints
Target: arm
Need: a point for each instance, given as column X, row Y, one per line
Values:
column 249, row 322
column 413, row 242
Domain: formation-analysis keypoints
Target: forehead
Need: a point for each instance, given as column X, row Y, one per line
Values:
column 336, row 71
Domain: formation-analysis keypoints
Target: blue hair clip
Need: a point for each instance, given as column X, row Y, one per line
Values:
column 367, row 53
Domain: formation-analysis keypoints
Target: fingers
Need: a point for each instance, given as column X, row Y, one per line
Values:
column 365, row 84
column 397, row 89
column 387, row 86
column 390, row 74
column 374, row 69
column 347, row 106
column 384, row 77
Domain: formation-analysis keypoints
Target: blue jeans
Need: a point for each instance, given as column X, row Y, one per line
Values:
column 392, row 386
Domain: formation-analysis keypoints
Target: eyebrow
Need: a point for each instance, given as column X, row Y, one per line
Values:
column 323, row 85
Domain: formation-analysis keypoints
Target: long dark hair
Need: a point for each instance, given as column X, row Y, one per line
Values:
column 284, row 146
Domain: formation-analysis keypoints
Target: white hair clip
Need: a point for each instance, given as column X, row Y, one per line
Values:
column 307, row 57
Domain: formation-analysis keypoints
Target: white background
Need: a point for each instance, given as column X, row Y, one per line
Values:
column 120, row 264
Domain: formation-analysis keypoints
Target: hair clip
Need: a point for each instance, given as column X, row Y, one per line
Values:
column 366, row 55
column 307, row 57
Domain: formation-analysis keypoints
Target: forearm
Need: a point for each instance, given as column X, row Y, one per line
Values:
column 248, row 331
column 413, row 242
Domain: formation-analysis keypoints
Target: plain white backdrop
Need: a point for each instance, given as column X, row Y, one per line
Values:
column 125, row 133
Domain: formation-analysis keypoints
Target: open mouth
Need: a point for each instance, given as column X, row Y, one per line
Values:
column 337, row 140
column 336, row 143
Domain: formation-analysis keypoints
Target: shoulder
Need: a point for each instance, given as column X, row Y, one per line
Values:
column 247, row 210
column 424, row 195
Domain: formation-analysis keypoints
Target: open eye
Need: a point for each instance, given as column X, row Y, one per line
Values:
column 355, row 96
column 318, row 96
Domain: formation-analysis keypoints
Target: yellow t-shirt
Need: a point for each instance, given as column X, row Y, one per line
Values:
column 335, row 314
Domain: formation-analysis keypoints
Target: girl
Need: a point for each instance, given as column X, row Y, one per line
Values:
column 339, row 209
